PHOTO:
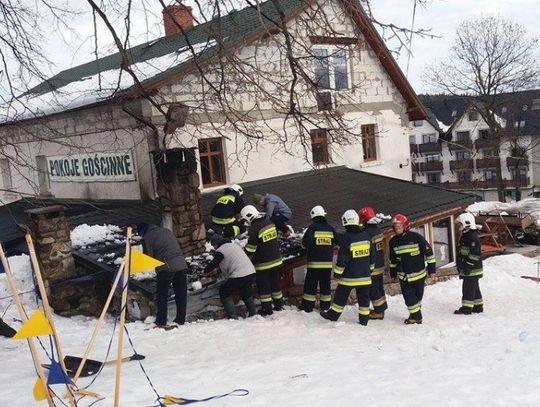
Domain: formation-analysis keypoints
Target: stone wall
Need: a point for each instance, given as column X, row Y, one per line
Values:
column 52, row 241
column 179, row 195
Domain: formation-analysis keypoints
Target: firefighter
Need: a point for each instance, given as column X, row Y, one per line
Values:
column 376, row 294
column 263, row 250
column 409, row 253
column 353, row 268
column 227, row 207
column 276, row 210
column 318, row 240
column 469, row 265
column 238, row 272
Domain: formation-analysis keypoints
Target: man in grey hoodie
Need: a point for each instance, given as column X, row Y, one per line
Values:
column 160, row 243
column 276, row 210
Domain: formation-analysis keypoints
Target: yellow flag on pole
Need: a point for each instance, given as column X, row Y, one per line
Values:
column 40, row 392
column 36, row 325
column 140, row 262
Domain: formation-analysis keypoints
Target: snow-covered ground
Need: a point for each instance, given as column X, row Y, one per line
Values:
column 299, row 359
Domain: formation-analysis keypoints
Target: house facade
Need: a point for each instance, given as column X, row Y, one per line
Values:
column 458, row 152
column 72, row 139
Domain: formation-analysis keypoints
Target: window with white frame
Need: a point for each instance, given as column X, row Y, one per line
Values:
column 463, row 155
column 520, row 174
column 463, row 136
column 431, row 158
column 484, row 134
column 418, row 123
column 331, row 67
column 519, row 124
column 473, row 116
column 464, row 176
column 412, row 139
column 429, row 138
column 490, row 175
column 488, row 153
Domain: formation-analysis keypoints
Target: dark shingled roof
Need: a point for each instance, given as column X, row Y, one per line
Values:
column 338, row 189
column 442, row 106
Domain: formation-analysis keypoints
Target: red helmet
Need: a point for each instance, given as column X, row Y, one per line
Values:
column 366, row 214
column 399, row 218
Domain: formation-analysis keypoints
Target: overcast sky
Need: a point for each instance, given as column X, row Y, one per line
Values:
column 441, row 16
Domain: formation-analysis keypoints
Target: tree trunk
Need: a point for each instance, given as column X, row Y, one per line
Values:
column 500, row 180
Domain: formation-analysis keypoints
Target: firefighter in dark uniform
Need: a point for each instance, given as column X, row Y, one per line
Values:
column 353, row 269
column 376, row 294
column 409, row 253
column 263, row 250
column 469, row 265
column 318, row 240
column 225, row 210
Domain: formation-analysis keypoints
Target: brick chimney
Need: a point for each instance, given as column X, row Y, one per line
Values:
column 177, row 15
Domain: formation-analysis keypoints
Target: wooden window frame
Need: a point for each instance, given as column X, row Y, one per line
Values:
column 320, row 137
column 210, row 154
column 369, row 139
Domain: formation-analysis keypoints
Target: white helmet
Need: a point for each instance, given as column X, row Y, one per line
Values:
column 249, row 213
column 317, row 211
column 350, row 217
column 237, row 188
column 467, row 221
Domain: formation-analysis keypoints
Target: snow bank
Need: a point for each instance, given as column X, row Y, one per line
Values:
column 84, row 235
column 22, row 273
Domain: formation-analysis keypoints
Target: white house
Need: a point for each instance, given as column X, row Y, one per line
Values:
column 84, row 134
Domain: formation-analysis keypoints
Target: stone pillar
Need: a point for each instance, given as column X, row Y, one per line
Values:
column 179, row 195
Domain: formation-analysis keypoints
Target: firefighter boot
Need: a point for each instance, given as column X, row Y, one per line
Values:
column 230, row 308
column 250, row 305
column 363, row 319
column 307, row 306
column 278, row 304
column 266, row 309
column 325, row 305
column 463, row 311
column 376, row 315
column 415, row 318
column 477, row 309
column 329, row 315
column 6, row 330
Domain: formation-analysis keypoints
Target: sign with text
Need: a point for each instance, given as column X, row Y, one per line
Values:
column 106, row 166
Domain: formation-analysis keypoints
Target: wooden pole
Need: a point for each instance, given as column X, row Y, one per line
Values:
column 48, row 312
column 35, row 355
column 99, row 322
column 127, row 269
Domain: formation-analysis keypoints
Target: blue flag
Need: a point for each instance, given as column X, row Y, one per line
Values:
column 57, row 375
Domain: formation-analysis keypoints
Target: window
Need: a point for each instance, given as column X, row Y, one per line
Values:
column 418, row 123
column 464, row 176
column 488, row 153
column 454, row 113
column 463, row 155
column 212, row 162
column 412, row 139
column 433, row 177
column 6, row 174
column 521, row 173
column 431, row 158
column 519, row 124
column 442, row 241
column 369, row 142
column 473, row 116
column 319, row 146
column 330, row 66
column 490, row 175
column 535, row 104
column 463, row 136
column 429, row 138
column 504, row 109
column 484, row 134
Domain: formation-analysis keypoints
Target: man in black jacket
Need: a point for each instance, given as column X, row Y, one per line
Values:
column 263, row 250
column 469, row 265
column 376, row 294
column 318, row 240
column 409, row 253
column 160, row 243
column 227, row 207
column 353, row 269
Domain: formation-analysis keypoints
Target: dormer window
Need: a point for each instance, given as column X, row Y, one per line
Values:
column 473, row 116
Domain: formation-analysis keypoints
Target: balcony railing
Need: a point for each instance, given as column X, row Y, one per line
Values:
column 429, row 148
column 430, row 166
column 485, row 143
column 486, row 162
column 489, row 184
column 460, row 145
column 461, row 165
column 520, row 162
column 413, row 148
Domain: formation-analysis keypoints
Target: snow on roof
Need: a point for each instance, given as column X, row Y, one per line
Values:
column 96, row 88
column 84, row 235
column 530, row 206
column 443, row 127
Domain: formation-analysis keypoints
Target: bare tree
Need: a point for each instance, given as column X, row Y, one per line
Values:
column 491, row 56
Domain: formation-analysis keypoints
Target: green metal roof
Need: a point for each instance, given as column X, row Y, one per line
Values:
column 229, row 30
